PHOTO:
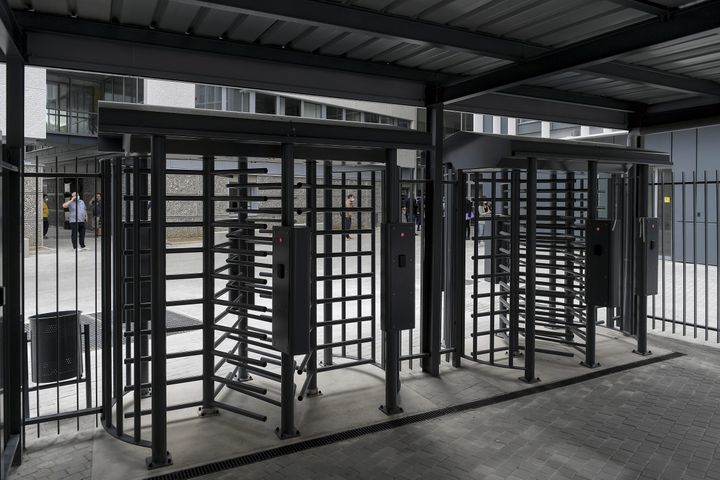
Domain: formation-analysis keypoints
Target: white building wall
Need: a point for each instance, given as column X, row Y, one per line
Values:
column 35, row 102
column 169, row 93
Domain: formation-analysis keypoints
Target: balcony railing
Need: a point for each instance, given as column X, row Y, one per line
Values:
column 71, row 122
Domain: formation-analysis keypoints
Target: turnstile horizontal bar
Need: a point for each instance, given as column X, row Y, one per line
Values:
column 184, row 198
column 184, row 250
column 344, row 254
column 350, row 298
column 239, row 171
column 337, row 366
column 189, row 301
column 345, row 321
column 169, row 408
column 347, row 276
column 183, row 224
column 183, row 276
column 240, row 411
column 344, row 232
column 345, row 343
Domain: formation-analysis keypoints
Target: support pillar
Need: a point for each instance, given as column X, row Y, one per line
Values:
column 456, row 292
column 106, row 288
column 160, row 457
column 13, row 334
column 432, row 246
column 643, row 209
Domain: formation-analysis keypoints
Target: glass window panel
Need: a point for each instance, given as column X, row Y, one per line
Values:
column 371, row 117
column 131, row 90
column 141, row 90
column 118, row 89
column 334, row 113
column 312, row 110
column 265, row 103
column 238, row 100
column 291, row 106
column 352, row 116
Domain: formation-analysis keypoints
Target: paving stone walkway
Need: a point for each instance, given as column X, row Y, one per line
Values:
column 656, row 422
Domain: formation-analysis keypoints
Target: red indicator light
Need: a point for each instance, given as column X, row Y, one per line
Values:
column 280, row 239
column 597, row 229
column 402, row 234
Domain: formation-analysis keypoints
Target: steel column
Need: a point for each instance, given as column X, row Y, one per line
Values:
column 160, row 456
column 591, row 310
column 431, row 246
column 208, row 395
column 287, row 427
column 530, row 266
column 513, row 328
column 13, row 334
column 118, row 302
column 311, row 179
column 391, row 342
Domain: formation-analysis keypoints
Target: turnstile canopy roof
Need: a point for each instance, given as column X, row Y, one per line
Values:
column 470, row 151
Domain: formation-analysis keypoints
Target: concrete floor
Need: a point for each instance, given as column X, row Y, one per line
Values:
column 660, row 421
column 361, row 387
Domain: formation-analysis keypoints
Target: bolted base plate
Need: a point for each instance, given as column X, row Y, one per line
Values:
column 285, row 436
column 534, row 380
column 649, row 352
column 208, row 412
column 313, row 393
column 392, row 411
column 152, row 466
column 585, row 364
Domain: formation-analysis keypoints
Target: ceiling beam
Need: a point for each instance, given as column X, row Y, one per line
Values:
column 645, row 6
column 576, row 98
column 602, row 48
column 12, row 40
column 655, row 78
column 678, row 119
column 387, row 25
column 34, row 22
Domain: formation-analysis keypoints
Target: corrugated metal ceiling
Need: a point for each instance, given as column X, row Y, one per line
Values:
column 542, row 23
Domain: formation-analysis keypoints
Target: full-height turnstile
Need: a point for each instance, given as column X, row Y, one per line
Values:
column 536, row 232
column 285, row 294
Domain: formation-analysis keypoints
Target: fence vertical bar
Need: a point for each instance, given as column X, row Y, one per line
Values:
column 327, row 261
column 311, row 202
column 160, row 456
column 118, row 310
column 707, row 261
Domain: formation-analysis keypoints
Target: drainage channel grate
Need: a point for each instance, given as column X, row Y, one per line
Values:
column 243, row 460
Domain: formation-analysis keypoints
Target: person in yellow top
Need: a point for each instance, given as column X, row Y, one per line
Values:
column 46, row 216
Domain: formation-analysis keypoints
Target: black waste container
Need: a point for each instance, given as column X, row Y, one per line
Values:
column 55, row 346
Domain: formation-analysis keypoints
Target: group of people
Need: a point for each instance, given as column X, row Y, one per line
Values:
column 77, row 217
column 483, row 210
column 413, row 209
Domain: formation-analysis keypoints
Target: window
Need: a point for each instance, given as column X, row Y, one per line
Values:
column 265, row 103
column 402, row 123
column 371, row 117
column 312, row 110
column 352, row 116
column 123, row 89
column 71, row 105
column 238, row 100
column 453, row 122
column 290, row 106
column 208, row 97
column 334, row 113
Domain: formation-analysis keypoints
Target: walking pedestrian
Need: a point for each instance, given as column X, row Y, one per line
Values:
column 77, row 219
column 96, row 204
column 347, row 215
column 46, row 216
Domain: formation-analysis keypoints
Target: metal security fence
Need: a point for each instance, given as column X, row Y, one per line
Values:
column 687, row 205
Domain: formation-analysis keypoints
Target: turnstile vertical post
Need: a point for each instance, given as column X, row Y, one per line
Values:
column 327, row 260
column 160, row 456
column 457, row 291
column 391, row 342
column 642, row 186
column 311, row 178
column 513, row 327
column 287, row 362
column 432, row 245
column 208, row 337
column 530, row 266
column 591, row 310
column 106, row 296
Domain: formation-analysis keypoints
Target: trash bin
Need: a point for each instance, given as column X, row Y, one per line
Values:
column 55, row 346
